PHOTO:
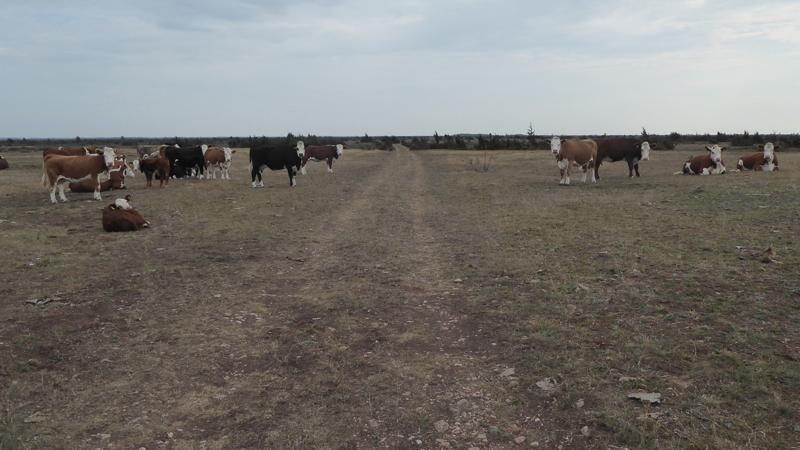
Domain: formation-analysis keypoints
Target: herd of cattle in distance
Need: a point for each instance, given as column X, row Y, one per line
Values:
column 589, row 154
column 80, row 168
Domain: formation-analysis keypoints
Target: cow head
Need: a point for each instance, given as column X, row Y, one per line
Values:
column 339, row 150
column 645, row 147
column 715, row 153
column 555, row 145
column 228, row 153
column 301, row 149
column 204, row 148
column 769, row 152
column 123, row 203
column 109, row 157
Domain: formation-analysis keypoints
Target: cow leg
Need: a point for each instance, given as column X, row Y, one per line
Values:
column 330, row 164
column 593, row 168
column 292, row 181
column 253, row 173
column 96, row 188
column 630, row 168
column 53, row 193
column 303, row 165
column 596, row 172
column 567, row 170
column 584, row 169
column 61, row 192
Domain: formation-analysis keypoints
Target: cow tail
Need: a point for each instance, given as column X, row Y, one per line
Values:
column 44, row 175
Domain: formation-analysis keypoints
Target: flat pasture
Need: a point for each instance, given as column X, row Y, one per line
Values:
column 428, row 299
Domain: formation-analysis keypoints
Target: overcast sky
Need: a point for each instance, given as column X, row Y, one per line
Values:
column 403, row 67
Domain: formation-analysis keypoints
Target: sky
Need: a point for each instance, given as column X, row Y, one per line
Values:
column 402, row 67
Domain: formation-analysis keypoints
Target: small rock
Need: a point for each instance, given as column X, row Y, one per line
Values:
column 519, row 439
column 585, row 430
column 441, row 426
column 535, row 444
column 474, row 448
column 482, row 437
column 508, row 372
column 627, row 379
column 547, row 384
column 458, row 280
column 104, row 436
column 652, row 398
column 579, row 404
column 373, row 423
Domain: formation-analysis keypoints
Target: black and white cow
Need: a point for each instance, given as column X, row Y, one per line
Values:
column 184, row 160
column 276, row 158
column 616, row 149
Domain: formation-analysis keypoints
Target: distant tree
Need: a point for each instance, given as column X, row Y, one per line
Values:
column 531, row 135
column 77, row 138
column 436, row 136
column 645, row 136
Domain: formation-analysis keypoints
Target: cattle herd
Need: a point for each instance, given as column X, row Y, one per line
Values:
column 80, row 168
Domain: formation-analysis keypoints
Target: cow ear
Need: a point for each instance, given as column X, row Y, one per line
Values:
column 776, row 147
column 723, row 149
column 708, row 148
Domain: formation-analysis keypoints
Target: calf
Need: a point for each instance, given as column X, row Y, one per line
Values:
column 187, row 159
column 120, row 216
column 3, row 163
column 276, row 158
column 218, row 158
column 70, row 151
column 158, row 165
column 710, row 164
column 765, row 161
column 629, row 149
column 322, row 153
column 116, row 179
column 58, row 170
column 580, row 152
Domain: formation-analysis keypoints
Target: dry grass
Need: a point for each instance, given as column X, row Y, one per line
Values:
column 363, row 308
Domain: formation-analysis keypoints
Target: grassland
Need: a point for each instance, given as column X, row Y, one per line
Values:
column 410, row 300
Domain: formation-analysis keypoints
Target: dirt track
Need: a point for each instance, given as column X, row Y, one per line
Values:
column 386, row 306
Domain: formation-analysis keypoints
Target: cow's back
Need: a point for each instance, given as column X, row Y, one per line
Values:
column 615, row 149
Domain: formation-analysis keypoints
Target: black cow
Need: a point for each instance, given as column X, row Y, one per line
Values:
column 630, row 149
column 276, row 158
column 183, row 160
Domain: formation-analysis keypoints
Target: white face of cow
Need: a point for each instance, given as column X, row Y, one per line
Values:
column 228, row 153
column 555, row 145
column 339, row 149
column 715, row 153
column 301, row 149
column 109, row 156
column 204, row 148
column 769, row 152
column 645, row 151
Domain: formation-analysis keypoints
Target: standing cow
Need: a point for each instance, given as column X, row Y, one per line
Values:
column 322, row 153
column 184, row 160
column 579, row 152
column 276, row 158
column 617, row 149
column 116, row 179
column 218, row 158
column 765, row 161
column 58, row 170
column 710, row 164
column 70, row 151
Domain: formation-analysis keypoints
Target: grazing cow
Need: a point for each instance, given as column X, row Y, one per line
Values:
column 765, row 161
column 322, row 153
column 70, row 151
column 629, row 149
column 183, row 160
column 116, row 179
column 580, row 152
column 158, row 164
column 120, row 216
column 59, row 170
column 276, row 158
column 710, row 164
column 3, row 163
column 218, row 158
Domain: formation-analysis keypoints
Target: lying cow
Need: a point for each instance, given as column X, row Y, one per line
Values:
column 322, row 153
column 218, row 158
column 58, row 170
column 116, row 179
column 629, row 149
column 3, row 163
column 158, row 165
column 276, row 158
column 765, row 161
column 580, row 152
column 184, row 160
column 120, row 216
column 710, row 164
column 70, row 151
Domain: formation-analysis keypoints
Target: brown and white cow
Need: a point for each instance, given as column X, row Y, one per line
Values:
column 580, row 152
column 116, row 179
column 218, row 158
column 70, row 151
column 710, row 164
column 765, row 161
column 120, row 216
column 58, row 170
column 322, row 153
column 3, row 163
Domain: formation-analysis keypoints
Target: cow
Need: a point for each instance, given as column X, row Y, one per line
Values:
column 58, row 170
column 322, row 153
column 616, row 149
column 580, row 152
column 183, row 160
column 158, row 165
column 70, row 151
column 218, row 158
column 116, row 179
column 120, row 216
column 276, row 158
column 150, row 152
column 765, row 161
column 3, row 163
column 710, row 164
